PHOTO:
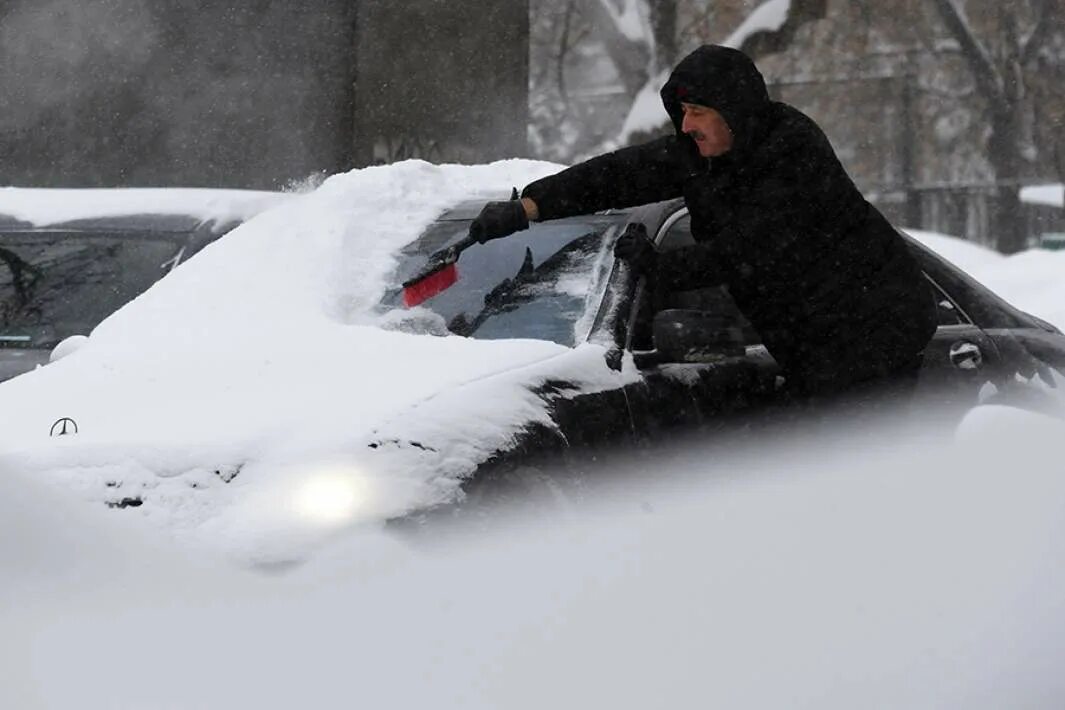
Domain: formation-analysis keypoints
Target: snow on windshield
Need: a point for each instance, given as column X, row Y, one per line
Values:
column 544, row 283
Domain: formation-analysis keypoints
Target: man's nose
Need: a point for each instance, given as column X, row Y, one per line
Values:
column 685, row 124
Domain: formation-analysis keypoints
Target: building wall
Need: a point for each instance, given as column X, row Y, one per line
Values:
column 172, row 92
column 257, row 93
column 442, row 80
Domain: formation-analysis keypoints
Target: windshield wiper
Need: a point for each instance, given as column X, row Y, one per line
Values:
column 511, row 293
column 19, row 268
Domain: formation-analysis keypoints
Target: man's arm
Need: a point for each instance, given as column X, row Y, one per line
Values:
column 624, row 178
column 695, row 266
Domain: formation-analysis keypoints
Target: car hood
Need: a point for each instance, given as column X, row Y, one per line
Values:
column 408, row 421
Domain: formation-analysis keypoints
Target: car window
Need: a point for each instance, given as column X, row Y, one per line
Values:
column 677, row 235
column 544, row 282
column 949, row 313
column 57, row 284
column 715, row 299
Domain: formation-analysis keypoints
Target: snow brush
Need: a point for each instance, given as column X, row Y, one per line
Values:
column 438, row 274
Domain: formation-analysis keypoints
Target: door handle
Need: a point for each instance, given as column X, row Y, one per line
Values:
column 965, row 355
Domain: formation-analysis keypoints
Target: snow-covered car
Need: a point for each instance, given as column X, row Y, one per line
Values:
column 70, row 258
column 279, row 378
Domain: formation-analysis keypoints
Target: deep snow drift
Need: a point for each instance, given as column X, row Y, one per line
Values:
column 835, row 575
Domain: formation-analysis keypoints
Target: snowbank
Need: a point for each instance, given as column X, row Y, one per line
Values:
column 1032, row 280
column 968, row 256
column 1052, row 195
column 917, row 576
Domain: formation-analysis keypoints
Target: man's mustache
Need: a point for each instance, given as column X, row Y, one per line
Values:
column 697, row 135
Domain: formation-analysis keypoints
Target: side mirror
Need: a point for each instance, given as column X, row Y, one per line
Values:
column 696, row 336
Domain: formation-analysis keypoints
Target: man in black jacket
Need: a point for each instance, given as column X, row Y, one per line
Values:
column 822, row 276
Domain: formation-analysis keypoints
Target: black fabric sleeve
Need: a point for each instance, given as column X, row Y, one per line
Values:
column 801, row 188
column 695, row 266
column 632, row 176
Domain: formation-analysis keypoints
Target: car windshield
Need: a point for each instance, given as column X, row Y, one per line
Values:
column 542, row 283
column 57, row 284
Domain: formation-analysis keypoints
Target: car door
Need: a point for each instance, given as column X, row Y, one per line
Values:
column 958, row 362
column 714, row 392
column 961, row 357
column 1017, row 354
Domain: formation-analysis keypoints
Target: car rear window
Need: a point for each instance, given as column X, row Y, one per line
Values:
column 57, row 284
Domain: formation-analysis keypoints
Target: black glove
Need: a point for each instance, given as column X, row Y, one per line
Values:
column 635, row 248
column 498, row 219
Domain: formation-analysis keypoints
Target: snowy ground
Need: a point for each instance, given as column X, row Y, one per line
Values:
column 866, row 569
column 838, row 576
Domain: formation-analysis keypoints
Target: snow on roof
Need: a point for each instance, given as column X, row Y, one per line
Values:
column 46, row 206
column 1052, row 194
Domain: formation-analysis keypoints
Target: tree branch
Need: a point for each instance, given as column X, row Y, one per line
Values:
column 800, row 12
column 630, row 57
column 563, row 50
column 986, row 74
column 1045, row 12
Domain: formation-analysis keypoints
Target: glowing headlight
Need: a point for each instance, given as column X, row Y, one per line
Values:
column 330, row 496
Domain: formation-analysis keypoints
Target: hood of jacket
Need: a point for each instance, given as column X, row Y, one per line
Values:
column 726, row 80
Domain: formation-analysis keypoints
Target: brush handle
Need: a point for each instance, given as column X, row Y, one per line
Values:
column 463, row 244
column 440, row 260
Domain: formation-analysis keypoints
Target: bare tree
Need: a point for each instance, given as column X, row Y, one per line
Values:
column 1000, row 63
column 755, row 40
column 766, row 42
column 641, row 40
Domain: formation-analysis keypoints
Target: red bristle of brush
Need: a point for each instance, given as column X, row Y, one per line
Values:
column 430, row 286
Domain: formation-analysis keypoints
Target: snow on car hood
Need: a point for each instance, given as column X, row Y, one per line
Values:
column 261, row 359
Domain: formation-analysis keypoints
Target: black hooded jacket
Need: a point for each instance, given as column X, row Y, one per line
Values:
column 820, row 273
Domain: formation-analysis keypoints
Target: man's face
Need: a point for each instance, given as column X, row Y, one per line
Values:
column 707, row 128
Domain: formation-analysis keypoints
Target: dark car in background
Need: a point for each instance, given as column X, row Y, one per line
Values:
column 61, row 278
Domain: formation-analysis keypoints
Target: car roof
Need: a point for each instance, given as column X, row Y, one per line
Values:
column 132, row 209
column 468, row 209
column 132, row 223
